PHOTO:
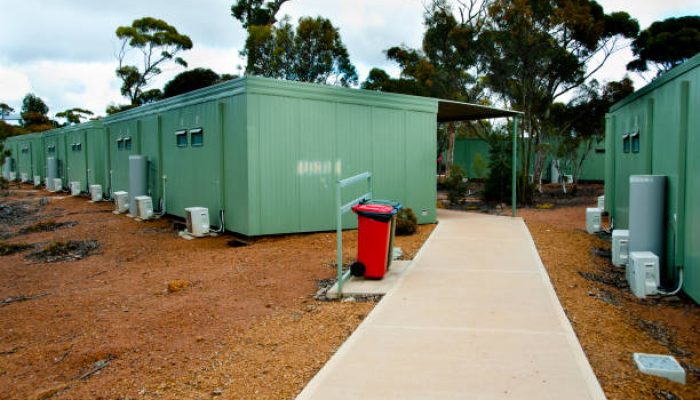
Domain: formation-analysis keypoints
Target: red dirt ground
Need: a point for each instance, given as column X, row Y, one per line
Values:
column 246, row 307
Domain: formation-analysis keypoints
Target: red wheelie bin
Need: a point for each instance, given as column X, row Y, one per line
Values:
column 373, row 242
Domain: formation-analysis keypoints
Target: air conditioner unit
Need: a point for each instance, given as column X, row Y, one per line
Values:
column 593, row 218
column 95, row 193
column 601, row 202
column 144, row 207
column 197, row 221
column 121, row 202
column 75, row 188
column 57, row 184
column 37, row 180
column 643, row 273
column 620, row 247
column 23, row 177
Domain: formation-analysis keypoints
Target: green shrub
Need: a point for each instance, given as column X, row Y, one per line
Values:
column 406, row 222
column 456, row 188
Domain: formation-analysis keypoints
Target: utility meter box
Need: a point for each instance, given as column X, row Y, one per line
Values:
column 197, row 221
column 121, row 202
column 593, row 220
column 144, row 207
column 95, row 193
column 601, row 202
column 643, row 273
column 620, row 247
column 75, row 188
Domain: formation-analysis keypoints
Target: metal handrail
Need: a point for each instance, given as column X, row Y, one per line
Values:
column 342, row 209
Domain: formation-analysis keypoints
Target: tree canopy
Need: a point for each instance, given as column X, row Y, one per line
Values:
column 190, row 80
column 313, row 52
column 74, row 115
column 666, row 44
column 256, row 12
column 35, row 113
column 5, row 110
column 158, row 42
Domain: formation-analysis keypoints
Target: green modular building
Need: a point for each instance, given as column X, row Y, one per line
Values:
column 656, row 131
column 264, row 155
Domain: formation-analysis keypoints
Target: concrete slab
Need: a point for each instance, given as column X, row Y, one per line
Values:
column 475, row 316
column 362, row 287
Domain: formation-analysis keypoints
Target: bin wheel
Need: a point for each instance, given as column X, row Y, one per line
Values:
column 357, row 269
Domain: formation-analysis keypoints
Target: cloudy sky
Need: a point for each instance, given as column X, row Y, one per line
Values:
column 64, row 50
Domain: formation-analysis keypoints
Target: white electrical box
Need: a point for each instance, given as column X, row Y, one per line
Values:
column 601, row 202
column 121, row 202
column 197, row 221
column 13, row 176
column 620, row 247
column 57, row 184
column 23, row 177
column 37, row 180
column 643, row 273
column 95, row 193
column 144, row 207
column 75, row 188
column 568, row 178
column 593, row 220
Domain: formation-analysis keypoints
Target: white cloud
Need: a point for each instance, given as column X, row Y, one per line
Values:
column 14, row 84
column 68, row 56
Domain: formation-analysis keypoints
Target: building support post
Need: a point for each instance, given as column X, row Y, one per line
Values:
column 514, row 168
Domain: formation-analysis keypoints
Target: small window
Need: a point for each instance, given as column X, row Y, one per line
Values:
column 626, row 143
column 635, row 142
column 127, row 143
column 600, row 151
column 197, row 137
column 120, row 144
column 52, row 149
column 181, row 138
column 73, row 147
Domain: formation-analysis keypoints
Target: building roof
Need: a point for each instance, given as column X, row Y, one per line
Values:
column 658, row 82
column 449, row 111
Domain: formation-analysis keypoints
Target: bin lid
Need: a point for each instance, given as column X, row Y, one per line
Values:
column 379, row 212
column 370, row 208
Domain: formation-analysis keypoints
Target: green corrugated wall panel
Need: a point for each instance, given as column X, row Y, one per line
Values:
column 354, row 147
column 96, row 148
column 236, row 191
column 420, row 167
column 193, row 173
column 119, row 157
column 692, row 200
column 76, row 159
column 663, row 111
column 316, row 164
column 149, row 146
column 388, row 153
column 278, row 191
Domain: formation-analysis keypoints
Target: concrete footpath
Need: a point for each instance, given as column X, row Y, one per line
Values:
column 474, row 317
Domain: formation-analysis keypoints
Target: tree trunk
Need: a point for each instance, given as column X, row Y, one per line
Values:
column 450, row 148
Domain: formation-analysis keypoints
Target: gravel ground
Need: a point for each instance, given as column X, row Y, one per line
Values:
column 610, row 322
column 150, row 315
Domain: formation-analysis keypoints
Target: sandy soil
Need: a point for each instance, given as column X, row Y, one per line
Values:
column 105, row 326
column 610, row 322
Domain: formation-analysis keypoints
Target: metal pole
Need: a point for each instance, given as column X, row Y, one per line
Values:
column 513, row 194
column 339, row 238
